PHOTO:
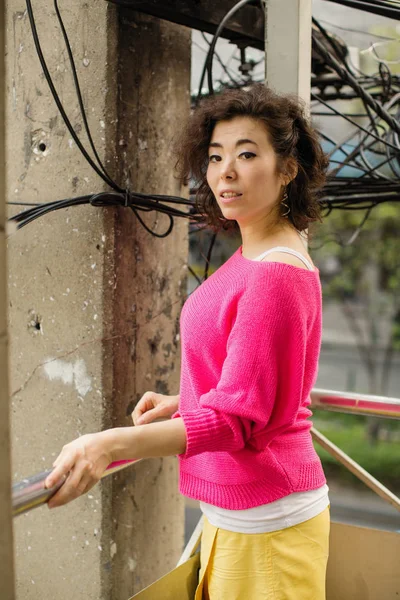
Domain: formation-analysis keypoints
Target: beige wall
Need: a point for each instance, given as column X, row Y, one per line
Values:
column 363, row 564
column 80, row 322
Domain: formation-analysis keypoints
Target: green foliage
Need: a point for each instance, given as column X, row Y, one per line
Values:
column 381, row 460
column 377, row 245
column 396, row 333
column 388, row 50
column 377, row 241
column 330, row 419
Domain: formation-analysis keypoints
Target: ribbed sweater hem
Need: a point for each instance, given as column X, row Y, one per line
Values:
column 241, row 496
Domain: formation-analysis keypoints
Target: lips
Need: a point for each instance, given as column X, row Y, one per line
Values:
column 230, row 197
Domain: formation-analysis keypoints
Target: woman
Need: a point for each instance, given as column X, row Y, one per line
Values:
column 251, row 337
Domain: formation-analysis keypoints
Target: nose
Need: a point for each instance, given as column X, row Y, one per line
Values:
column 228, row 170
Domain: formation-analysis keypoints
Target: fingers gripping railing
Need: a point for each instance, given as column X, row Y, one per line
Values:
column 31, row 492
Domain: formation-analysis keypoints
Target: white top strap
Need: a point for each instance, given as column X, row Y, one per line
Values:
column 288, row 251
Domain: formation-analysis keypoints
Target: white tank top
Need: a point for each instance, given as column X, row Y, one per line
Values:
column 280, row 514
column 287, row 251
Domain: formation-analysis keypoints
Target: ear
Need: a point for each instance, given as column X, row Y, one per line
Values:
column 288, row 171
column 291, row 170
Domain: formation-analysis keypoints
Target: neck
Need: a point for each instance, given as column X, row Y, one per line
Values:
column 257, row 237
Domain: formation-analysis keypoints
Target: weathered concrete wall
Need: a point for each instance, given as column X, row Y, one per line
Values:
column 56, row 272
column 154, row 96
column 6, row 536
column 79, row 309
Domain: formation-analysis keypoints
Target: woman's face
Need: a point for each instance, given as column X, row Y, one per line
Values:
column 242, row 170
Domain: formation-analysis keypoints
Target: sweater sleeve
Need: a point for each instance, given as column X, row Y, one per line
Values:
column 260, row 387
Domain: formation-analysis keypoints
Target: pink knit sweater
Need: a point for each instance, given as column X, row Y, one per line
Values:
column 251, row 337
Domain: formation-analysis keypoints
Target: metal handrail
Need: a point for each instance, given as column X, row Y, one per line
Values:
column 352, row 466
column 356, row 404
column 30, row 492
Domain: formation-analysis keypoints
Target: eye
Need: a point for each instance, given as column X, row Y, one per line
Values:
column 247, row 155
column 214, row 158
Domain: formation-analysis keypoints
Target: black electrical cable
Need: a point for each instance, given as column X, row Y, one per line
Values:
column 393, row 161
column 350, row 80
column 108, row 199
column 337, row 49
column 197, row 278
column 224, row 68
column 329, row 114
column 371, row 171
column 58, row 101
column 207, row 67
column 331, row 41
column 386, row 78
column 339, row 147
column 338, row 162
column 345, row 193
column 209, row 253
column 360, row 148
column 385, row 9
column 360, row 198
column 78, row 92
column 119, row 197
column 360, row 31
column 221, row 26
column 356, row 149
column 352, row 122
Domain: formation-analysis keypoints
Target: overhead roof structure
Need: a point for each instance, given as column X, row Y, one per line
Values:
column 246, row 27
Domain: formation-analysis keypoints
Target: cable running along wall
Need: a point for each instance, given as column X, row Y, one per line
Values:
column 374, row 154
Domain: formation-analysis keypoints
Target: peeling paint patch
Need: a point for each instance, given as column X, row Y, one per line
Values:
column 131, row 564
column 113, row 549
column 70, row 374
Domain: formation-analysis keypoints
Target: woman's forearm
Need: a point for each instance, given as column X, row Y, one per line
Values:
column 166, row 438
column 82, row 462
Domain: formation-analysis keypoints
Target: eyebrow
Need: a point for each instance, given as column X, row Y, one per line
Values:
column 238, row 143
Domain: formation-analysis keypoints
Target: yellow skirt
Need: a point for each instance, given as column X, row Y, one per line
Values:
column 289, row 564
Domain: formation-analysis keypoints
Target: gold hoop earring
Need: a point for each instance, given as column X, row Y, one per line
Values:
column 284, row 203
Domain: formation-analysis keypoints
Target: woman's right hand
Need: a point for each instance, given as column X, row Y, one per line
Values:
column 153, row 406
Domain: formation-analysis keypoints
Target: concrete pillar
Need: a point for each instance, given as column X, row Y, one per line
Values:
column 6, row 533
column 154, row 95
column 288, row 46
column 94, row 300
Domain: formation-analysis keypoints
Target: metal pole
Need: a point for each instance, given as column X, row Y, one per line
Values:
column 356, row 469
column 31, row 493
column 356, row 404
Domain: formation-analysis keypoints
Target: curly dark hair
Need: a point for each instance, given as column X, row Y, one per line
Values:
column 291, row 135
